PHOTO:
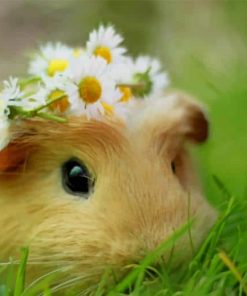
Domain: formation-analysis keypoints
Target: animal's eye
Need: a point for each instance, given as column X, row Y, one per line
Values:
column 76, row 178
column 173, row 166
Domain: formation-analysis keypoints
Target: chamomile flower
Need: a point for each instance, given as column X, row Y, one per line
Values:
column 12, row 93
column 95, row 88
column 146, row 72
column 51, row 59
column 14, row 96
column 4, row 124
column 54, row 88
column 105, row 42
column 140, row 78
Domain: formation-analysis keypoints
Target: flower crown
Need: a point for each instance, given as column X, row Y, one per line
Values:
column 97, row 80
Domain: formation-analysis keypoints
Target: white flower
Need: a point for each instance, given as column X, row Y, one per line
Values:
column 139, row 78
column 55, row 87
column 146, row 70
column 51, row 59
column 94, row 86
column 4, row 125
column 13, row 96
column 105, row 42
column 11, row 93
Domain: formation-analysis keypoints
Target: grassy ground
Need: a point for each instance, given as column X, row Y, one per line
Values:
column 205, row 50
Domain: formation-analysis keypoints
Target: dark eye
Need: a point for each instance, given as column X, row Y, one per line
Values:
column 76, row 178
column 173, row 166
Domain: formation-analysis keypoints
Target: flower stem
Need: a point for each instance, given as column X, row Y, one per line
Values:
column 51, row 117
column 138, row 89
column 25, row 82
column 17, row 111
column 48, row 104
column 130, row 85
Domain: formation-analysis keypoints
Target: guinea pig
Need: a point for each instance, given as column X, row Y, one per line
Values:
column 86, row 195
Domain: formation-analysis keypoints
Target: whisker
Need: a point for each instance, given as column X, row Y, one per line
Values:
column 63, row 269
column 88, row 290
column 70, row 282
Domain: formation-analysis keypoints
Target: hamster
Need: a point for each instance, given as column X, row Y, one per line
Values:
column 87, row 195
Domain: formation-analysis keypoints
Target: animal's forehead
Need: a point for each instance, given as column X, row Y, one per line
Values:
column 77, row 132
column 80, row 130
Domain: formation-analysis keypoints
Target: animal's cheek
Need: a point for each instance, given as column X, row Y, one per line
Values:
column 74, row 240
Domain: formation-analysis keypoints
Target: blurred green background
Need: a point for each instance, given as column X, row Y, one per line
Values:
column 203, row 45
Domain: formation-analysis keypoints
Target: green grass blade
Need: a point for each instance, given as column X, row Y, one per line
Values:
column 20, row 278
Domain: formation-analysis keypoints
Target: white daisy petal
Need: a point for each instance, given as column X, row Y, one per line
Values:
column 4, row 125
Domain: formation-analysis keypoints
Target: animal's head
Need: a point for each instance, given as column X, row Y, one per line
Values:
column 91, row 194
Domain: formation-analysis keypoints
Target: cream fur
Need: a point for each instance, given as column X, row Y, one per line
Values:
column 137, row 202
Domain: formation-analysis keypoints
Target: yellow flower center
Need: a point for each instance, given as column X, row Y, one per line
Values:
column 57, row 65
column 90, row 90
column 109, row 109
column 61, row 105
column 104, row 52
column 127, row 93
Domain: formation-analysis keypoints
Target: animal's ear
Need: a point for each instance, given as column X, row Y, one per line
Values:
column 171, row 120
column 193, row 122
column 15, row 154
column 10, row 158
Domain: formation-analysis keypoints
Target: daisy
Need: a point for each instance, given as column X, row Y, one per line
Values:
column 105, row 42
column 94, row 86
column 4, row 124
column 54, row 88
column 11, row 93
column 51, row 59
column 146, row 70
column 14, row 96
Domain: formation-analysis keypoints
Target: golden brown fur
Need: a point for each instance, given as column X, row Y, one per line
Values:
column 137, row 203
